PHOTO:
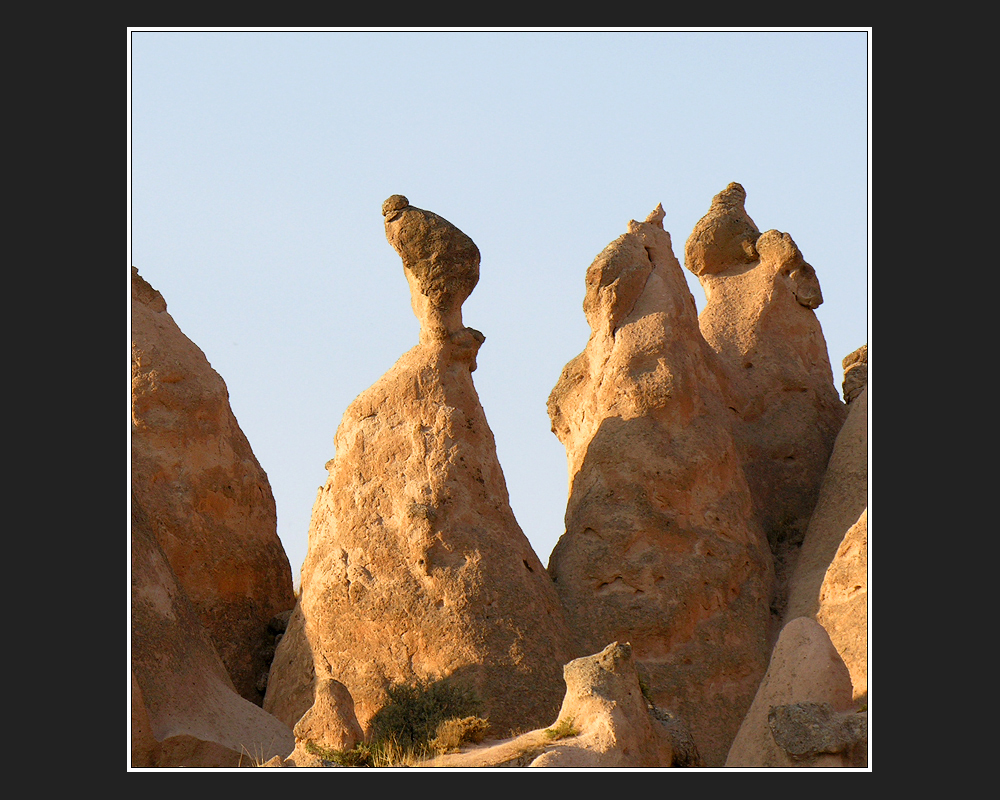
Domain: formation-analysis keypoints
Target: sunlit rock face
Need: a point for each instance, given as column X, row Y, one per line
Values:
column 759, row 318
column 417, row 569
column 208, row 500
column 662, row 548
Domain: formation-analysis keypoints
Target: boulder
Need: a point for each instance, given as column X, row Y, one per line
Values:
column 185, row 709
column 808, row 730
column 605, row 722
column 611, row 721
column 758, row 316
column 661, row 547
column 805, row 668
column 208, row 501
column 416, row 570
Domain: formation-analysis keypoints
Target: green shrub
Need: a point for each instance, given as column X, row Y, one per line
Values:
column 411, row 717
column 562, row 730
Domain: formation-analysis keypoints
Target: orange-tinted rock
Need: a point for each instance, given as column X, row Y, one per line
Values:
column 843, row 604
column 805, row 668
column 661, row 548
column 417, row 569
column 830, row 582
column 855, row 373
column 208, row 500
column 758, row 316
column 185, row 709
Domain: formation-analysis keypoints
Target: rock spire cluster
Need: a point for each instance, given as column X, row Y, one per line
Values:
column 706, row 604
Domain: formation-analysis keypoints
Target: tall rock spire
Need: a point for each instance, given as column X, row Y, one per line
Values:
column 417, row 569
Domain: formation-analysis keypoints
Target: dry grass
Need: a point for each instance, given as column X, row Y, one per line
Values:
column 453, row 733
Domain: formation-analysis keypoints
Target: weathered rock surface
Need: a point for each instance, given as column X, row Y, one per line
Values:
column 807, row 730
column 604, row 702
column 292, row 680
column 185, row 708
column 417, row 569
column 830, row 582
column 843, row 604
column 208, row 501
column 855, row 373
column 805, row 668
column 661, row 548
column 604, row 721
column 333, row 704
column 760, row 295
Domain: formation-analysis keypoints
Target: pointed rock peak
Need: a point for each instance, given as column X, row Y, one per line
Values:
column 780, row 252
column 733, row 195
column 656, row 216
column 441, row 264
column 725, row 237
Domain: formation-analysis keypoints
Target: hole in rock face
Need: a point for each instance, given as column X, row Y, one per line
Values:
column 527, row 566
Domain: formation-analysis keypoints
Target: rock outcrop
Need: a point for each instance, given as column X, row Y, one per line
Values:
column 416, row 568
column 208, row 501
column 805, row 668
column 185, row 708
column 855, row 373
column 758, row 316
column 661, row 548
column 605, row 721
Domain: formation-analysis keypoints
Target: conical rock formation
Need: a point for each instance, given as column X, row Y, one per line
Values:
column 417, row 569
column 661, row 547
column 208, row 501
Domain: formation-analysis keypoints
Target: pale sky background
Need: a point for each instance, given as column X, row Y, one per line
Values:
column 259, row 162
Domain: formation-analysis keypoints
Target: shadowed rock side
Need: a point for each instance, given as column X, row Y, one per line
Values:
column 604, row 722
column 805, row 668
column 661, row 547
column 843, row 604
column 185, row 709
column 209, row 502
column 758, row 316
column 830, row 582
column 417, row 569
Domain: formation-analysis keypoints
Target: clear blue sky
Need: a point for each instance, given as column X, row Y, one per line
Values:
column 259, row 161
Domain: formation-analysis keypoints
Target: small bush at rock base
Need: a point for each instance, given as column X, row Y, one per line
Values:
column 411, row 717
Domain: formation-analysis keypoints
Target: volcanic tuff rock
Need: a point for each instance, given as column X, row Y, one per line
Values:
column 804, row 668
column 417, row 569
column 185, row 709
column 604, row 721
column 855, row 373
column 661, row 547
column 843, row 604
column 208, row 500
column 758, row 316
column 830, row 582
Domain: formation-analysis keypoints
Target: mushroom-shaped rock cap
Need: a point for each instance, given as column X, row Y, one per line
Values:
column 780, row 253
column 442, row 263
column 395, row 203
column 725, row 237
